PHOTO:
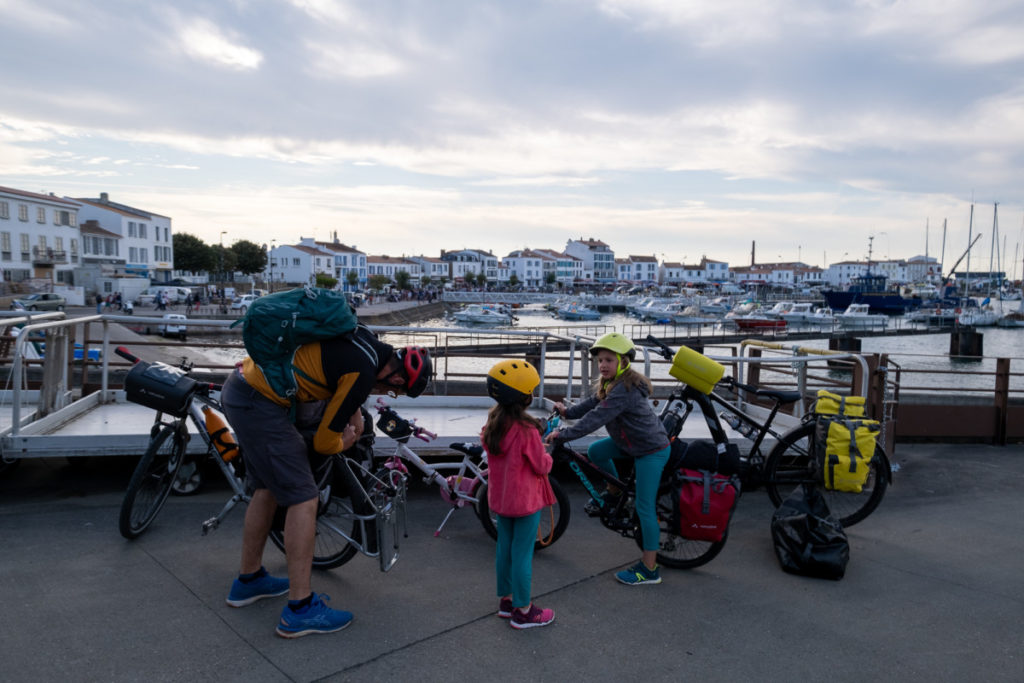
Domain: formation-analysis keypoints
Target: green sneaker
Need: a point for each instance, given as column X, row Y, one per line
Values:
column 638, row 575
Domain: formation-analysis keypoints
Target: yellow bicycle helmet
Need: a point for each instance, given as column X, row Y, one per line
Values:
column 512, row 381
column 620, row 345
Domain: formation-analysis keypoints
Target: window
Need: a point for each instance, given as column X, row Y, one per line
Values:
column 131, row 228
column 22, row 212
column 167, row 234
column 74, row 249
column 58, row 244
column 143, row 256
column 5, row 210
column 40, row 215
column 132, row 254
column 42, row 242
column 142, row 230
column 24, row 247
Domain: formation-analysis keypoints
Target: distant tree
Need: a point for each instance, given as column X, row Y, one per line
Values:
column 513, row 280
column 425, row 281
column 352, row 277
column 249, row 257
column 225, row 262
column 481, row 279
column 550, row 277
column 378, row 281
column 402, row 279
column 326, row 281
column 191, row 253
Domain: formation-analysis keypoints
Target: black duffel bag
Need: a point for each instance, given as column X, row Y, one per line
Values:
column 808, row 538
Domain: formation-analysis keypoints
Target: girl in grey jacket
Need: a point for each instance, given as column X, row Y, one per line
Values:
column 620, row 403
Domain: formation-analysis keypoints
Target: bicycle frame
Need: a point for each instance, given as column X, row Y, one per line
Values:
column 466, row 473
column 584, row 469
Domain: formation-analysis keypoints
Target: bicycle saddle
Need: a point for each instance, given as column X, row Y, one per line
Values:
column 780, row 396
column 473, row 449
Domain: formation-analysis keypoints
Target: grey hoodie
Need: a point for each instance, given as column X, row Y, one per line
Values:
column 629, row 418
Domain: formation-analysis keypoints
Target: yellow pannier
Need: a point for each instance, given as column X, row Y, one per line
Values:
column 696, row 370
column 847, row 447
column 834, row 404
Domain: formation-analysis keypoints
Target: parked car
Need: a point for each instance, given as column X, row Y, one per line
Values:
column 242, row 303
column 41, row 301
column 170, row 327
column 174, row 294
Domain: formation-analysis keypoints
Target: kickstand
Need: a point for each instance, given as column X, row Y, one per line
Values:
column 445, row 521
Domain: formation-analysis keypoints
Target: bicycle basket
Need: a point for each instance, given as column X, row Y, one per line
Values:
column 161, row 387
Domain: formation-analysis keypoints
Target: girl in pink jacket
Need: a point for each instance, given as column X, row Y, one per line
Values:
column 517, row 487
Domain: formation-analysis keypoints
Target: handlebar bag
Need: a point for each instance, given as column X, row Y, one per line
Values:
column 706, row 503
column 161, row 387
column 395, row 426
column 845, row 449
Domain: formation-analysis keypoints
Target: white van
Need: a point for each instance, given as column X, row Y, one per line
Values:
column 174, row 294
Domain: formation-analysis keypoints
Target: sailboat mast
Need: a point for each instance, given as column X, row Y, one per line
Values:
column 970, row 233
column 942, row 258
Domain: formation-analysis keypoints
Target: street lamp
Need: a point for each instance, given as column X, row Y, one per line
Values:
column 222, row 233
column 272, row 266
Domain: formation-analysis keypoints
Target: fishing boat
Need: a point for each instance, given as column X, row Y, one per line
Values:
column 821, row 316
column 860, row 317
column 759, row 321
column 484, row 314
column 871, row 289
column 577, row 311
column 798, row 313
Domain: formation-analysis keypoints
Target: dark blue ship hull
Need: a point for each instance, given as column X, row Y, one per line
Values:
column 890, row 303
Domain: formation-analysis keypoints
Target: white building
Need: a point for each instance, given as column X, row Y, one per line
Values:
column 346, row 260
column 568, row 269
column 671, row 273
column 465, row 262
column 597, row 257
column 39, row 237
column 528, row 266
column 146, row 243
column 437, row 269
column 390, row 266
column 298, row 264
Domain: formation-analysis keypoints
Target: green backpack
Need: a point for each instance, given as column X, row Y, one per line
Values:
column 277, row 324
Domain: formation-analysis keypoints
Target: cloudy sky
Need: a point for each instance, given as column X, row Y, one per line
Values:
column 678, row 128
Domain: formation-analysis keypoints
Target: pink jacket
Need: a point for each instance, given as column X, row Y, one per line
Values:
column 517, row 481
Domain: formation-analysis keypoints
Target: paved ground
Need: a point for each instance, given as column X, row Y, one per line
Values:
column 934, row 591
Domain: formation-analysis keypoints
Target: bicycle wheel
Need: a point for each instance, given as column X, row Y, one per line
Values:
column 336, row 524
column 789, row 465
column 151, row 481
column 554, row 519
column 673, row 550
column 189, row 480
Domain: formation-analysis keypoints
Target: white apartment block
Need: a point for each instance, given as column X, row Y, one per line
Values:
column 597, row 257
column 437, row 269
column 346, row 260
column 528, row 266
column 391, row 266
column 145, row 247
column 568, row 269
column 39, row 237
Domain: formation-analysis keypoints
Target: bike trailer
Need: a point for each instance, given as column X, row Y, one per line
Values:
column 161, row 387
column 696, row 370
column 845, row 449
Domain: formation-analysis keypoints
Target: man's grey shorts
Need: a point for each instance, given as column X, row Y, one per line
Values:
column 276, row 454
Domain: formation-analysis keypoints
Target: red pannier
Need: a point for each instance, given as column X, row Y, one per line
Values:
column 706, row 503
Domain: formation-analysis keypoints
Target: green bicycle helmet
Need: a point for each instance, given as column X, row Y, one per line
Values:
column 616, row 343
column 512, row 381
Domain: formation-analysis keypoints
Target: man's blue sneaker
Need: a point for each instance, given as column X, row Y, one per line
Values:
column 316, row 618
column 266, row 586
column 639, row 574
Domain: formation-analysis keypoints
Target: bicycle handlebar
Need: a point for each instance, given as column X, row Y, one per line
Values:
column 126, row 354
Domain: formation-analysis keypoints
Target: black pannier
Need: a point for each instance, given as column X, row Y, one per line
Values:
column 161, row 387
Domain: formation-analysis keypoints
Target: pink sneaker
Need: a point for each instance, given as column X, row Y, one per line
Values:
column 505, row 608
column 534, row 617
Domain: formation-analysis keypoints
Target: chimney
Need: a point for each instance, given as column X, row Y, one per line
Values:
column 104, row 198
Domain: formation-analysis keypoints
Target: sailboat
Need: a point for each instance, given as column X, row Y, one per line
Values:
column 984, row 315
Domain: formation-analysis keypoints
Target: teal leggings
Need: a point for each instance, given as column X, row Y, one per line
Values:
column 648, row 473
column 514, row 558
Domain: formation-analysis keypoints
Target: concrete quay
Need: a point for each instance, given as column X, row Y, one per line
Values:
column 934, row 592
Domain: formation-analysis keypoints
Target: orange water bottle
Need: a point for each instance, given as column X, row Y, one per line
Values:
column 222, row 438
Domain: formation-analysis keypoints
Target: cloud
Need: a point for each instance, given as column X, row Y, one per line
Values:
column 203, row 40
column 351, row 61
